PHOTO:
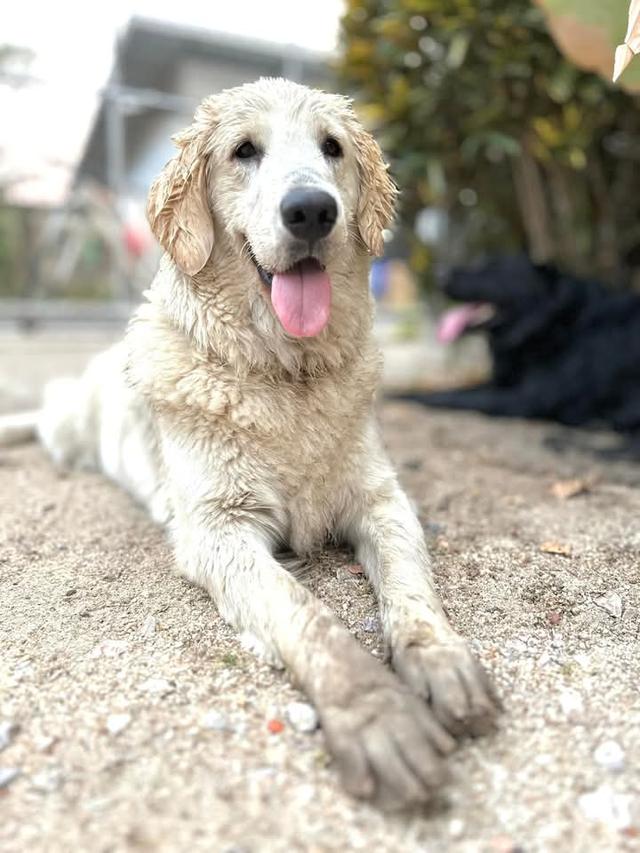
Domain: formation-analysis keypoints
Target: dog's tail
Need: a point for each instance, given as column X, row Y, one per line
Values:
column 18, row 429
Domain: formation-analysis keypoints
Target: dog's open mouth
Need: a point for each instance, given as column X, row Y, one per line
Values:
column 455, row 322
column 301, row 296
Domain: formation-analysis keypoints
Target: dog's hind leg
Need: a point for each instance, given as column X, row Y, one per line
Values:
column 20, row 428
column 60, row 424
column 489, row 399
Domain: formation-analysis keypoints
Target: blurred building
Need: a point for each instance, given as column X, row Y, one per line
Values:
column 97, row 244
column 161, row 72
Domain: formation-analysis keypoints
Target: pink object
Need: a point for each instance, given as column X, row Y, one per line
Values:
column 135, row 241
column 301, row 298
column 454, row 322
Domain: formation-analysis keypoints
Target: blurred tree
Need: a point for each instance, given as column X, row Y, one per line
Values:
column 486, row 121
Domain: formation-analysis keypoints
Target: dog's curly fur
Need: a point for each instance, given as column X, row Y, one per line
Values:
column 244, row 439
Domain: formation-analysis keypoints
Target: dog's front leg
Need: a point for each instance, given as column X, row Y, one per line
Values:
column 426, row 652
column 386, row 742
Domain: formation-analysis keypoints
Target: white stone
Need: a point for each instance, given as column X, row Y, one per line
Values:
column 302, row 716
column 8, row 729
column 571, row 703
column 216, row 721
column 149, row 626
column 604, row 805
column 158, row 686
column 7, row 775
column 610, row 755
column 456, row 828
column 109, row 649
column 47, row 781
column 117, row 723
column 611, row 603
column 44, row 742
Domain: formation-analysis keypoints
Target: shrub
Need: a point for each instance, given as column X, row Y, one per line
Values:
column 484, row 119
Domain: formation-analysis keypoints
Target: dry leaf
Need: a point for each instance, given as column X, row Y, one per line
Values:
column 565, row 489
column 625, row 52
column 556, row 548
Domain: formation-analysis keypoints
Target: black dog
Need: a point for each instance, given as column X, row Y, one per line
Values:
column 563, row 349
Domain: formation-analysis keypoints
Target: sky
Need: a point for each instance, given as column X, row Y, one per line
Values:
column 44, row 125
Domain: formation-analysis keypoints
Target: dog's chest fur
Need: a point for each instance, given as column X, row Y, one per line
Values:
column 256, row 439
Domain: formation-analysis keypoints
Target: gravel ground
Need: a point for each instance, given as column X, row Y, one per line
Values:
column 135, row 721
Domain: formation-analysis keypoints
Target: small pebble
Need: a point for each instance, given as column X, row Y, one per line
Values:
column 117, row 723
column 44, row 743
column 22, row 670
column 456, row 828
column 371, row 624
column 571, row 704
column 216, row 721
column 8, row 730
column 265, row 772
column 158, row 686
column 611, row 604
column 149, row 626
column 47, row 781
column 7, row 775
column 302, row 716
column 503, row 844
column 109, row 649
column 610, row 755
column 604, row 805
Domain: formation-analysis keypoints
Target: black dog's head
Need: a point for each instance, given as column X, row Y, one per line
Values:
column 510, row 298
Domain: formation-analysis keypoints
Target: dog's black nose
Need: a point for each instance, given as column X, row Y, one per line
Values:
column 309, row 213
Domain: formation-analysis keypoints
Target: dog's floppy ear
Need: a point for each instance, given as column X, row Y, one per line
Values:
column 178, row 208
column 378, row 193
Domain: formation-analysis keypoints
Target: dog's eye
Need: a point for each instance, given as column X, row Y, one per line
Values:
column 331, row 147
column 246, row 151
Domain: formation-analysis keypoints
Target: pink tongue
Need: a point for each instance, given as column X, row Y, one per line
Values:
column 301, row 298
column 454, row 322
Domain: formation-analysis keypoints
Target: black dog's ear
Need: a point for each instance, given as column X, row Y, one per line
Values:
column 547, row 272
column 553, row 298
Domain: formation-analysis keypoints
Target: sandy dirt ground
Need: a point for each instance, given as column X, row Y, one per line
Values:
column 131, row 718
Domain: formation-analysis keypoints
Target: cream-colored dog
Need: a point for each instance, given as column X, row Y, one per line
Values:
column 239, row 409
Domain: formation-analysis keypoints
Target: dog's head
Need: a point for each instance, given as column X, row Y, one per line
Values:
column 292, row 183
column 511, row 298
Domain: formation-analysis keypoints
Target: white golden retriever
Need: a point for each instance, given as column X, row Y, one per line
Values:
column 239, row 409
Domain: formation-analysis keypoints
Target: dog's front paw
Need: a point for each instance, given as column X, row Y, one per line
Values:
column 386, row 743
column 453, row 682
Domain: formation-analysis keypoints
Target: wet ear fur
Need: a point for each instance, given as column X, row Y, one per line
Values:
column 378, row 193
column 178, row 207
